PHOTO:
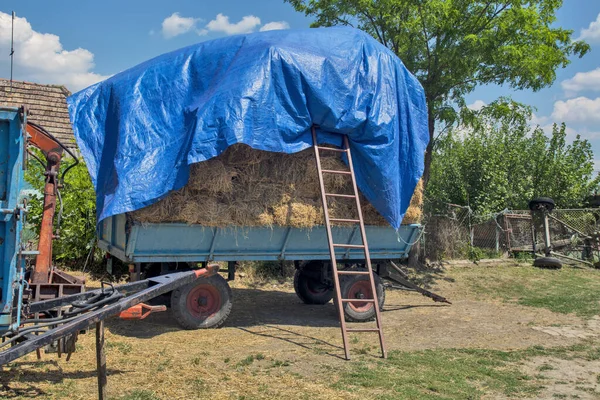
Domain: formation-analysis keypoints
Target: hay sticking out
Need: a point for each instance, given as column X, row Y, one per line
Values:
column 414, row 213
column 247, row 187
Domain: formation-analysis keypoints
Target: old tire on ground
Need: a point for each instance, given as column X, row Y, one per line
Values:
column 541, row 203
column 359, row 287
column 308, row 285
column 547, row 262
column 202, row 304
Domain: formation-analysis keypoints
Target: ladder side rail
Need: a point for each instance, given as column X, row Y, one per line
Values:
column 338, row 295
column 366, row 249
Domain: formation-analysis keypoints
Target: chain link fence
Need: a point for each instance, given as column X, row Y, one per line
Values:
column 455, row 232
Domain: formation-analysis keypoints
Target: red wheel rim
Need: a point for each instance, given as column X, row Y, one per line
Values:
column 360, row 290
column 203, row 301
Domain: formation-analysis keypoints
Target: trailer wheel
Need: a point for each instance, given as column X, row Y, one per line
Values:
column 547, row 262
column 202, row 304
column 542, row 203
column 308, row 285
column 359, row 287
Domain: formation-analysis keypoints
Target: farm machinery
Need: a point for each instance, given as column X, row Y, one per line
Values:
column 42, row 306
column 568, row 236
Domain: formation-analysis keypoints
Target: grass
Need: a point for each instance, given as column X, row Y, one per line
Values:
column 140, row 395
column 545, row 367
column 466, row 375
column 454, row 373
column 246, row 361
column 563, row 291
column 123, row 348
column 279, row 363
column 229, row 363
column 164, row 365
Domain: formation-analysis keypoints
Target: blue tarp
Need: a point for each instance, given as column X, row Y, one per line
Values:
column 139, row 130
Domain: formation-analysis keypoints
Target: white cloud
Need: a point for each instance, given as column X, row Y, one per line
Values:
column 572, row 133
column 582, row 81
column 40, row 57
column 592, row 32
column 477, row 105
column 587, row 134
column 275, row 26
column 538, row 120
column 577, row 110
column 546, row 124
column 221, row 24
column 176, row 25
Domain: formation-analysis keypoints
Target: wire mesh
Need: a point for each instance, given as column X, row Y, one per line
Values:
column 454, row 231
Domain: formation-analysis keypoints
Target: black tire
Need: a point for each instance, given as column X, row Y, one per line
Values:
column 541, row 203
column 308, row 285
column 352, row 286
column 547, row 262
column 202, row 304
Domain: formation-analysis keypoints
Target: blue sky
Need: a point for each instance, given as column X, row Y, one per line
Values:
column 77, row 43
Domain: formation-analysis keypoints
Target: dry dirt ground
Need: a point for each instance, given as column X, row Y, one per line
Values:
column 274, row 346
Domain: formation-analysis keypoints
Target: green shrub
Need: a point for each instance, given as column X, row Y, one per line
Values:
column 77, row 229
column 76, row 240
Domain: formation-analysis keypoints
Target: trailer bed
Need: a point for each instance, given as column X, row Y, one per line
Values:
column 135, row 242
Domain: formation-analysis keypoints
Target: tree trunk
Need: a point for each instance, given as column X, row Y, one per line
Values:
column 413, row 255
column 429, row 151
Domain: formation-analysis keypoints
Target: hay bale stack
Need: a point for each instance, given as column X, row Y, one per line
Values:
column 247, row 187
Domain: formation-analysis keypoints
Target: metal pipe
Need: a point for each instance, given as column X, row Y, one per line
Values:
column 547, row 243
column 43, row 262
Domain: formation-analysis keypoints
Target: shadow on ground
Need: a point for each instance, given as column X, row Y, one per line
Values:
column 427, row 275
column 53, row 374
column 305, row 341
column 251, row 308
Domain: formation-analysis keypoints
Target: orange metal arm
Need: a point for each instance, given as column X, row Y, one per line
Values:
column 53, row 153
column 45, row 143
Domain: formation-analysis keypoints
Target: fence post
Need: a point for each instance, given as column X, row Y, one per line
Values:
column 497, row 234
column 472, row 235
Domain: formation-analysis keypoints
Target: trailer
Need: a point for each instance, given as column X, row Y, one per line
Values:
column 153, row 249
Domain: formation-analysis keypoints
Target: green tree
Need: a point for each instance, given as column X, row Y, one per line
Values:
column 499, row 161
column 77, row 229
column 452, row 46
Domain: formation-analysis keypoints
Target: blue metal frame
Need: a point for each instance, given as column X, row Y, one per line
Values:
column 12, row 215
column 175, row 242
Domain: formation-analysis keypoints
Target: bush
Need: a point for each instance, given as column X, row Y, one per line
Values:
column 77, row 229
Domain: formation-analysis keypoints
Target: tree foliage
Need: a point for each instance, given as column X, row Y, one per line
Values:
column 452, row 46
column 498, row 161
column 77, row 229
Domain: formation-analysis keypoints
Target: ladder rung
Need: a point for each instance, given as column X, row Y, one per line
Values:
column 349, row 246
column 336, row 171
column 343, row 220
column 332, row 149
column 358, row 300
column 353, row 273
column 348, row 196
column 362, row 330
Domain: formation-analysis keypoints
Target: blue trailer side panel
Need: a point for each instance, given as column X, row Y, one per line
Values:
column 173, row 242
column 11, row 215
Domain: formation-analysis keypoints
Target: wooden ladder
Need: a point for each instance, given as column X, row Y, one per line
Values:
column 332, row 246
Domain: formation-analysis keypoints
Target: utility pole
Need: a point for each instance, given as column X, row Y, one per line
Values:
column 12, row 49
